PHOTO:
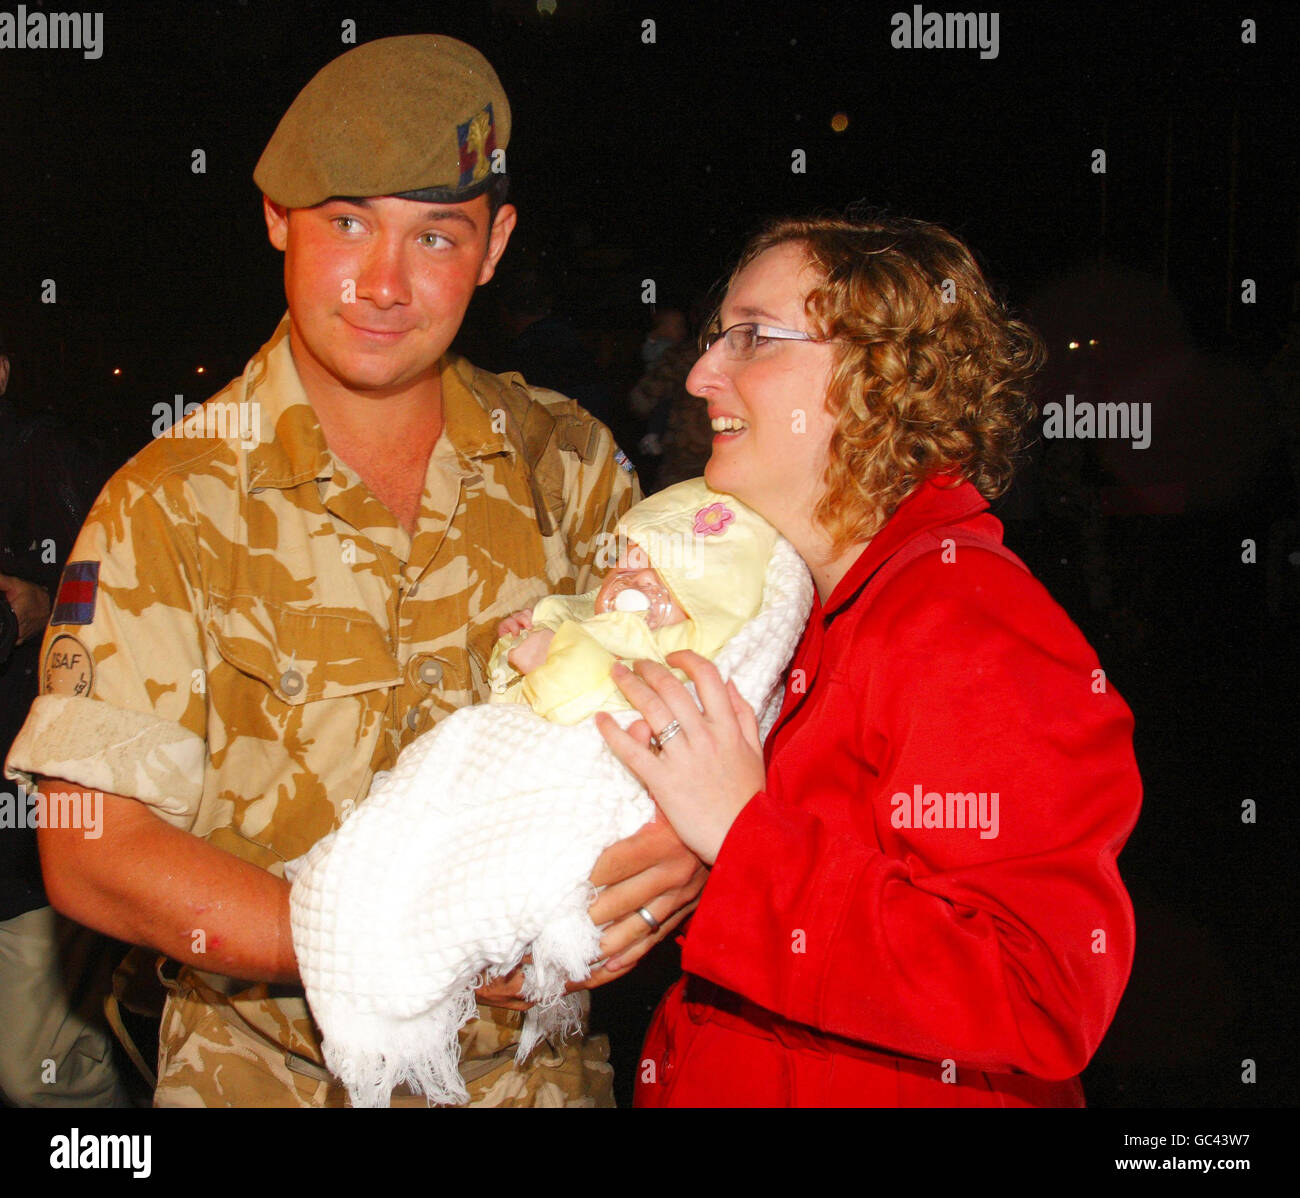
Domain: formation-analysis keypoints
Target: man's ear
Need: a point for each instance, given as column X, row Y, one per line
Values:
column 502, row 227
column 4, row 374
column 277, row 222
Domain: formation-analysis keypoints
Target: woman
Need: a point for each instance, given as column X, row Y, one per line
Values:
column 913, row 897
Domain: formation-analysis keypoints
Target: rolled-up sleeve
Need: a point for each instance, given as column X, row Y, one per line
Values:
column 121, row 707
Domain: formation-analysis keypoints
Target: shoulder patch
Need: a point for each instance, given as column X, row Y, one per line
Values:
column 68, row 669
column 75, row 602
column 623, row 460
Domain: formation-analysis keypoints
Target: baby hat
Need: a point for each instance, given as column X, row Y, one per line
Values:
column 711, row 551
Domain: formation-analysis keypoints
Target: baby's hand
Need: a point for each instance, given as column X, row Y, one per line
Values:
column 513, row 625
column 531, row 652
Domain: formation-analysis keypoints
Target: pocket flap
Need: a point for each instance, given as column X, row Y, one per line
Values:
column 303, row 654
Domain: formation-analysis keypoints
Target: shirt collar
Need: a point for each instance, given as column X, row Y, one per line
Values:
column 291, row 447
column 470, row 422
column 932, row 504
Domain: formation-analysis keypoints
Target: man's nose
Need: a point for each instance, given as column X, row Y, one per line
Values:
column 385, row 278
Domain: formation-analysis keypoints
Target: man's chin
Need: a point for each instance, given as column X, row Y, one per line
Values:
column 378, row 378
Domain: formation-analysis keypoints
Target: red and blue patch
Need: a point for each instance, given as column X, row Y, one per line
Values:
column 476, row 141
column 75, row 602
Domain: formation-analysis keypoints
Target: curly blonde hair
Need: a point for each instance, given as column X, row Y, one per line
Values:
column 930, row 373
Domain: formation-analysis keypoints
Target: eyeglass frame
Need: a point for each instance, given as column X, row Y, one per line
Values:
column 770, row 332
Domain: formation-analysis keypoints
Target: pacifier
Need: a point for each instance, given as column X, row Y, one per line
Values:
column 635, row 591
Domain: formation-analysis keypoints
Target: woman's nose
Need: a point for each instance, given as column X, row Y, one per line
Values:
column 705, row 375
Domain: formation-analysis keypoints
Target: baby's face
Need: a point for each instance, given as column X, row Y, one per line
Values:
column 633, row 585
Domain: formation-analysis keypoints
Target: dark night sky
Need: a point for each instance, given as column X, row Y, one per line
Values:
column 632, row 160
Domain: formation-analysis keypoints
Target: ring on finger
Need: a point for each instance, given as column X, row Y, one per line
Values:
column 671, row 729
column 655, row 925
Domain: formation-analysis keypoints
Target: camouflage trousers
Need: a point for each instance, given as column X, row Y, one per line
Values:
column 219, row 1049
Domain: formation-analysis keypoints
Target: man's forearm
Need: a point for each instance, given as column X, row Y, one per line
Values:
column 146, row 882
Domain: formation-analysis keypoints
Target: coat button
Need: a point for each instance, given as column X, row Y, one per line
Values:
column 290, row 683
column 413, row 719
column 431, row 671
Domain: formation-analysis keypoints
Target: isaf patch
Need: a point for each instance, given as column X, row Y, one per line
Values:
column 75, row 602
column 69, row 668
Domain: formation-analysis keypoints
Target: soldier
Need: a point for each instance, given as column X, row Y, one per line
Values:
column 268, row 603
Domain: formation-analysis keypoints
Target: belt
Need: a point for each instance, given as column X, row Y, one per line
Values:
column 471, row 1070
column 707, row 1003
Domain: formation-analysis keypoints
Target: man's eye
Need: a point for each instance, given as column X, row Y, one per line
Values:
column 434, row 239
column 346, row 224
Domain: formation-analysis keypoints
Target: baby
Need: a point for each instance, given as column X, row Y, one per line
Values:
column 632, row 586
column 689, row 576
column 477, row 847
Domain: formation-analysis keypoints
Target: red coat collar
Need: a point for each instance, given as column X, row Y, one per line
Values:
column 933, row 504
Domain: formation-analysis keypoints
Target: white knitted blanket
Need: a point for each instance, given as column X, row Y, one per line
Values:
column 473, row 851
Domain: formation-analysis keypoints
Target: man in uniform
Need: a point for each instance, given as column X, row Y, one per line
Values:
column 267, row 604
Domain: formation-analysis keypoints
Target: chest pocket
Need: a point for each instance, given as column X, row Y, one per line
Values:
column 302, row 655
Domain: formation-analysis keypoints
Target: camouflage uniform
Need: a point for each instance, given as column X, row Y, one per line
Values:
column 265, row 637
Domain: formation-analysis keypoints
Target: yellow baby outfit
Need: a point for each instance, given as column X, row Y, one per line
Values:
column 710, row 550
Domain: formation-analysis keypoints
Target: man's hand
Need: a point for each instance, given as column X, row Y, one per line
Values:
column 505, row 992
column 650, row 869
column 31, row 604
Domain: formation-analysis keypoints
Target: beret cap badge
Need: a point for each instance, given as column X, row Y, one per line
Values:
column 476, row 140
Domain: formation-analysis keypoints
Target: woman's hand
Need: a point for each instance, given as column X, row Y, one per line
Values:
column 704, row 774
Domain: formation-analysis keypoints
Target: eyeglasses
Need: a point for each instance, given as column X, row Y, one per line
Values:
column 742, row 340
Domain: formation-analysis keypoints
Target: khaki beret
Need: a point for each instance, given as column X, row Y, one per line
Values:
column 402, row 114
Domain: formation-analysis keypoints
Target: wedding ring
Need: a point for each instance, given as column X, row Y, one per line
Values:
column 670, row 730
column 655, row 925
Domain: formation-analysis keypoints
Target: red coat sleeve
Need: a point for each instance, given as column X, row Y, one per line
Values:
column 1003, row 947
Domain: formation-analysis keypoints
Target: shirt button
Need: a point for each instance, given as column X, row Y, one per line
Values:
column 431, row 671
column 290, row 683
column 413, row 719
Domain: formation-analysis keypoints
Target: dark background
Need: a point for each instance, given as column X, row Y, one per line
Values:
column 631, row 161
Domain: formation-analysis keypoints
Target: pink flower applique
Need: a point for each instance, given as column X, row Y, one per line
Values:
column 712, row 520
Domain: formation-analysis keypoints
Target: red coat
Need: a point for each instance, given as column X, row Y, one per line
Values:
column 860, row 942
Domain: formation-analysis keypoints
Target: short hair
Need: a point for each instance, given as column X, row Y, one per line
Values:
column 930, row 372
column 497, row 190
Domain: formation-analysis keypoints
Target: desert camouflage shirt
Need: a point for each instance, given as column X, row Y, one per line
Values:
column 245, row 635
